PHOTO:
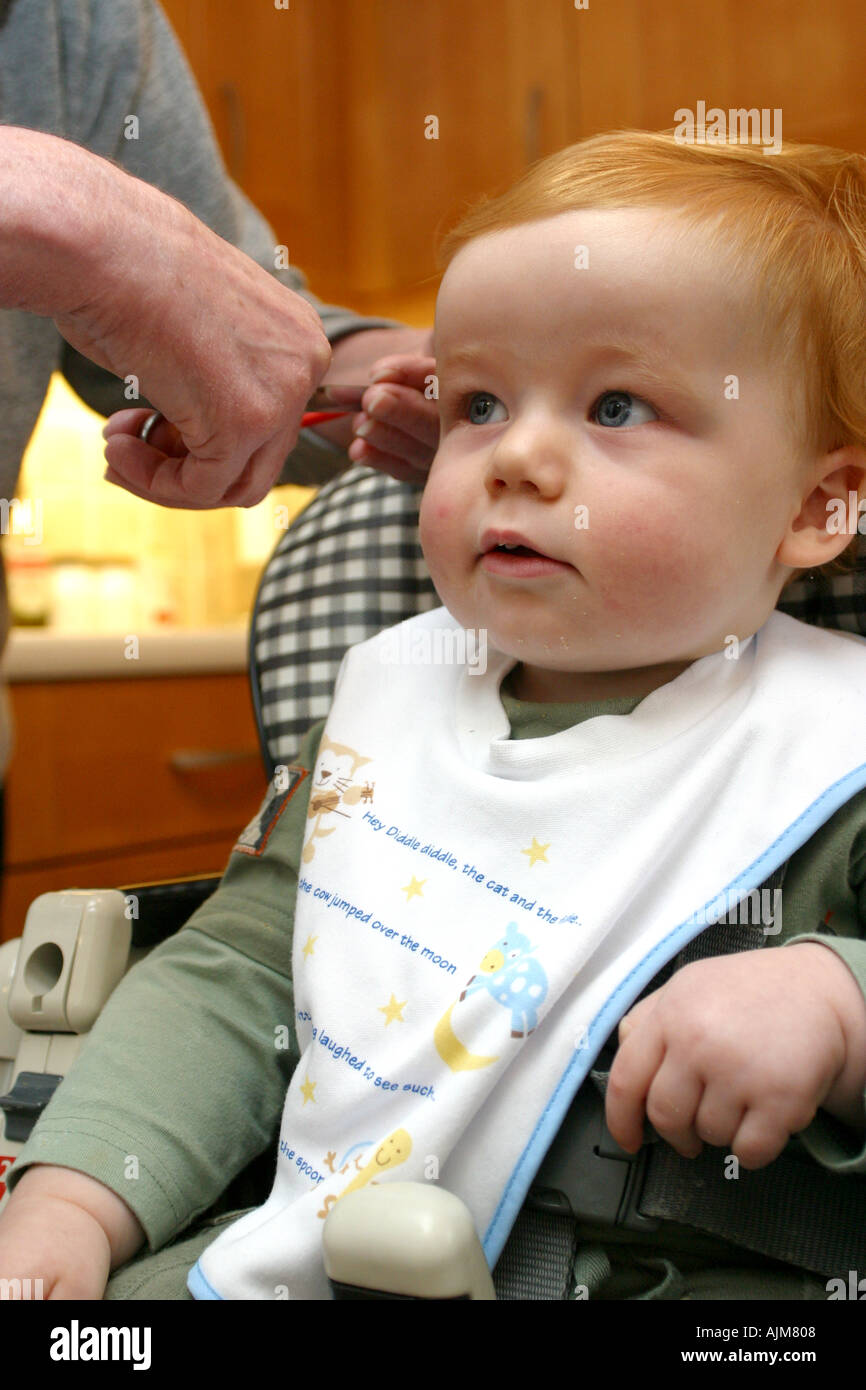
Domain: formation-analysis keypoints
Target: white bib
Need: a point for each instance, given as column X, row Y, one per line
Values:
column 476, row 913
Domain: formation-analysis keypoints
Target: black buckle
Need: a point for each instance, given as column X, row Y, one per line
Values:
column 26, row 1101
column 587, row 1175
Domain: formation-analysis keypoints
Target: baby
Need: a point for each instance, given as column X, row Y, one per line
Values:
column 650, row 363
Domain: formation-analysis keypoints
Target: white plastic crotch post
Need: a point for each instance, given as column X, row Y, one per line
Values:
column 409, row 1239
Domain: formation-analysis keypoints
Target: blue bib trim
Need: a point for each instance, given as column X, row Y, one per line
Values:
column 797, row 834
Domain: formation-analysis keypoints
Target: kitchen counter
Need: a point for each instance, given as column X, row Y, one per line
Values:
column 38, row 654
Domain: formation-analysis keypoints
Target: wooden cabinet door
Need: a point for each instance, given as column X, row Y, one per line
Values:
column 322, row 109
column 118, row 781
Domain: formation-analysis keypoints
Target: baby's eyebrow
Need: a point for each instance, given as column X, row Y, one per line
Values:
column 468, row 356
column 655, row 362
column 659, row 366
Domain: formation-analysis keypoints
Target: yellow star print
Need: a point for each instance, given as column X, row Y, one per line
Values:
column 308, row 945
column 413, row 889
column 536, row 851
column 392, row 1010
column 307, row 1090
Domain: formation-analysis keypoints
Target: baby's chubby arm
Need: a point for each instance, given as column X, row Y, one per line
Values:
column 66, row 1229
column 740, row 1051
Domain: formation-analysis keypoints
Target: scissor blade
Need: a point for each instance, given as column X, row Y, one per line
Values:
column 339, row 397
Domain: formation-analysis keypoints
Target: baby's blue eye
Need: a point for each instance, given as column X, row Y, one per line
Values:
column 488, row 404
column 618, row 408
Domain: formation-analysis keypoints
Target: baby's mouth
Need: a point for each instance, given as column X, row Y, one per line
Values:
column 509, row 553
column 517, row 550
column 508, row 541
column 521, row 563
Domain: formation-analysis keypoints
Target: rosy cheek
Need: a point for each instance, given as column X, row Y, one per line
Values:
column 435, row 519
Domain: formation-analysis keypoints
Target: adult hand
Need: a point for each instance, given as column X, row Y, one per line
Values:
column 396, row 432
column 136, row 283
column 230, row 359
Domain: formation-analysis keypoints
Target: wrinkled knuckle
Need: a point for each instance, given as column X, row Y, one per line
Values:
column 316, row 347
column 262, row 415
column 664, row 1112
column 697, row 1036
column 300, row 379
column 254, row 497
column 712, row 1134
column 322, row 354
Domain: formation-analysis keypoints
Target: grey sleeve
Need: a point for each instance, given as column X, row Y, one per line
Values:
column 122, row 60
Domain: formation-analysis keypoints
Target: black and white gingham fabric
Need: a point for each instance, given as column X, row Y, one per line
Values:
column 351, row 565
column 839, row 602
column 348, row 566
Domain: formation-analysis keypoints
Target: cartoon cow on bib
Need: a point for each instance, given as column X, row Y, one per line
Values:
column 514, row 978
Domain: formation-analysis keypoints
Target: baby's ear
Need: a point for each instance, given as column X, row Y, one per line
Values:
column 831, row 510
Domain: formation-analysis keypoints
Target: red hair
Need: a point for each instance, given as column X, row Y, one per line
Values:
column 792, row 221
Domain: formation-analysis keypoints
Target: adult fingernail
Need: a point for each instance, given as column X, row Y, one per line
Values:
column 375, row 399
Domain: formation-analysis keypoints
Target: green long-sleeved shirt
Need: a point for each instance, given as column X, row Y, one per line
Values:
column 186, row 1070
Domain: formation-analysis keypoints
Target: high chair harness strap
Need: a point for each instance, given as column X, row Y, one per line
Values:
column 791, row 1210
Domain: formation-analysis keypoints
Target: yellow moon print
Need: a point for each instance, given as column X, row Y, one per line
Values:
column 451, row 1049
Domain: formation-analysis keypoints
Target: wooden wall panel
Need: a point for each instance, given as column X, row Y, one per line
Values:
column 332, row 96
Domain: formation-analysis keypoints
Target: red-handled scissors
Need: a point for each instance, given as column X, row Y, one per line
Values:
column 326, row 403
column 330, row 402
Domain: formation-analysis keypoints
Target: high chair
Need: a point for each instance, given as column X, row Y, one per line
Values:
column 348, row 566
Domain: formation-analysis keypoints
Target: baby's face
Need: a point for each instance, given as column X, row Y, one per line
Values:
column 590, row 411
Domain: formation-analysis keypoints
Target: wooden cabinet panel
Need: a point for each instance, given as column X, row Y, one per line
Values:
column 274, row 84
column 117, row 781
column 320, row 111
column 320, row 108
column 99, row 765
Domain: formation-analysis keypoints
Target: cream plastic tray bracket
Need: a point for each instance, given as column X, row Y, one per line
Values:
column 54, row 980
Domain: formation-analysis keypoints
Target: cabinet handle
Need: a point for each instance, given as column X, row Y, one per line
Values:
column 237, row 133
column 196, row 759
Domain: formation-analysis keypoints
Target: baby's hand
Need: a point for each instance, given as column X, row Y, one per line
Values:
column 67, row 1230
column 739, row 1052
column 54, row 1249
column 400, row 423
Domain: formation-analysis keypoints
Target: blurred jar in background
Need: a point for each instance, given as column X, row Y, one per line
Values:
column 109, row 595
column 74, row 595
column 29, row 583
column 117, row 596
